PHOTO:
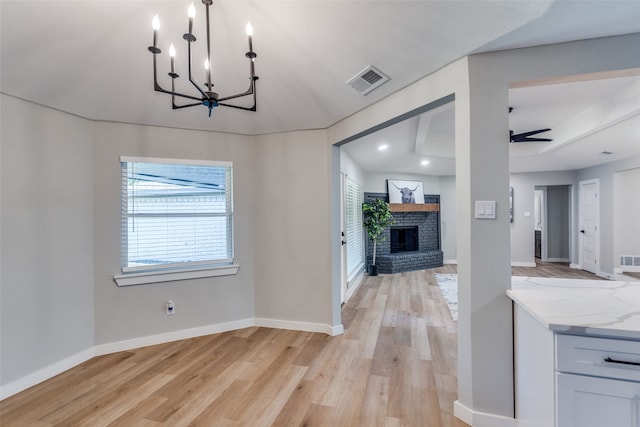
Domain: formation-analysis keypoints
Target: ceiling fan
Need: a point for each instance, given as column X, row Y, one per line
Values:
column 527, row 136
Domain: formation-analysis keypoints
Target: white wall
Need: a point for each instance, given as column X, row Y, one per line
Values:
column 605, row 174
column 351, row 169
column 626, row 212
column 46, row 219
column 448, row 218
column 376, row 182
column 124, row 313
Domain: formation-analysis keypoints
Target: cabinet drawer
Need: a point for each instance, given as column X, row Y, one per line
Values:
column 602, row 357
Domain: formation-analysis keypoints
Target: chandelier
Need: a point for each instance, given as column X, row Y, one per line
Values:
column 204, row 96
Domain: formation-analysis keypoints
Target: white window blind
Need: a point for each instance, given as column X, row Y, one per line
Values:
column 353, row 227
column 176, row 214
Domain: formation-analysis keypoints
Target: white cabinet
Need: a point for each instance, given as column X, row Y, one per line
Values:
column 597, row 402
column 597, row 382
column 574, row 380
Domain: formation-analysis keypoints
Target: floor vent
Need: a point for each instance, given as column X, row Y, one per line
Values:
column 630, row 262
column 367, row 80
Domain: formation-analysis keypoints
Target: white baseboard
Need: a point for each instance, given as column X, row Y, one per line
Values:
column 72, row 361
column 575, row 266
column 522, row 264
column 45, row 373
column 481, row 419
column 450, row 261
column 556, row 260
column 182, row 334
column 299, row 326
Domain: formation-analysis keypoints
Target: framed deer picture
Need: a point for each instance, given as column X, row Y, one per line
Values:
column 401, row 191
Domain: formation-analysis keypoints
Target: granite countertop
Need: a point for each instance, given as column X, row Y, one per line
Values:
column 585, row 307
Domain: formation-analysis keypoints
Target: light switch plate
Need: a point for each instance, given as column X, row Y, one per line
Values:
column 485, row 209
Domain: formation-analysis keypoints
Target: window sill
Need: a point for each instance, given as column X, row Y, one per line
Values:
column 131, row 279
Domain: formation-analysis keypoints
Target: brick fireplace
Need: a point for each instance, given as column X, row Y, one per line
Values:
column 412, row 242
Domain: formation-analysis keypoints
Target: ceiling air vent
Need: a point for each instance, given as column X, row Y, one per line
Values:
column 367, row 80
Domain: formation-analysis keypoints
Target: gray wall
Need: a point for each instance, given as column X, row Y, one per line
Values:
column 524, row 185
column 136, row 311
column 46, row 279
column 292, row 228
column 558, row 210
column 60, row 227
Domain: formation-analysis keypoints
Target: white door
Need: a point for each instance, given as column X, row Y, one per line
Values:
column 589, row 225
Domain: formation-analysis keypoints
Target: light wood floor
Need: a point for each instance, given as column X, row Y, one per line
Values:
column 395, row 365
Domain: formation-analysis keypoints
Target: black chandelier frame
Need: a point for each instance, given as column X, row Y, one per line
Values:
column 208, row 97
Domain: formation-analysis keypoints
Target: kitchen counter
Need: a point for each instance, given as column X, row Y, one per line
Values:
column 584, row 307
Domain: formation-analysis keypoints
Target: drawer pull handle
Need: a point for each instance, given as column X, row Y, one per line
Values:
column 623, row 362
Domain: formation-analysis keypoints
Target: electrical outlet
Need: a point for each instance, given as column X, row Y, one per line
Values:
column 171, row 307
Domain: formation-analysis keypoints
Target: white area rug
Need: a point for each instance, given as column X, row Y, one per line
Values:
column 448, row 284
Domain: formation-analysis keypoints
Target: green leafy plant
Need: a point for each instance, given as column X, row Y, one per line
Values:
column 377, row 216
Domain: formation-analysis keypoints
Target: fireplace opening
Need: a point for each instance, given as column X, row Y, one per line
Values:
column 404, row 239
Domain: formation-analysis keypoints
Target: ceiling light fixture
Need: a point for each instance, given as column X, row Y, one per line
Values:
column 382, row 147
column 424, row 162
column 206, row 97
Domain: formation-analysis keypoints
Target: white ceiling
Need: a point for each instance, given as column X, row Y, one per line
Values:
column 585, row 117
column 90, row 58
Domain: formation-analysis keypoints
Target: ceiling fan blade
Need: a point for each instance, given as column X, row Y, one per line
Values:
column 535, row 140
column 526, row 136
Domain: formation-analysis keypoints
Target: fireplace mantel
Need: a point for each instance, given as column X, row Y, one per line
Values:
column 410, row 207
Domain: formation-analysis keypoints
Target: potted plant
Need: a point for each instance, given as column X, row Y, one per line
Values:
column 377, row 216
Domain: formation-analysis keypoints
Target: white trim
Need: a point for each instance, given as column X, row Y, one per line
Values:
column 50, row 371
column 557, row 260
column 450, row 261
column 188, row 162
column 481, row 419
column 354, row 284
column 523, row 264
column 182, row 334
column 299, row 326
column 604, row 275
column 130, row 279
column 575, row 266
column 45, row 373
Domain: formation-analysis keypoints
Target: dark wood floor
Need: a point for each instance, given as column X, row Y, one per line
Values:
column 395, row 365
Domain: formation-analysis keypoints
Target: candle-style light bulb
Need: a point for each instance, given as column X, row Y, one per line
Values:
column 191, row 12
column 155, row 24
column 172, row 54
column 249, row 34
column 208, row 73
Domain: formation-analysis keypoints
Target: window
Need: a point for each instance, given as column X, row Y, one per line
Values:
column 353, row 227
column 177, row 216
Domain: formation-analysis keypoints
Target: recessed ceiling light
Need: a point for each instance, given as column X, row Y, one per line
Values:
column 424, row 162
column 382, row 147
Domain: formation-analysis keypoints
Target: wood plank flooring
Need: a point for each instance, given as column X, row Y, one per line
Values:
column 395, row 365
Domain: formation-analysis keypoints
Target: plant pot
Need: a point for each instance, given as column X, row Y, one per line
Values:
column 373, row 270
